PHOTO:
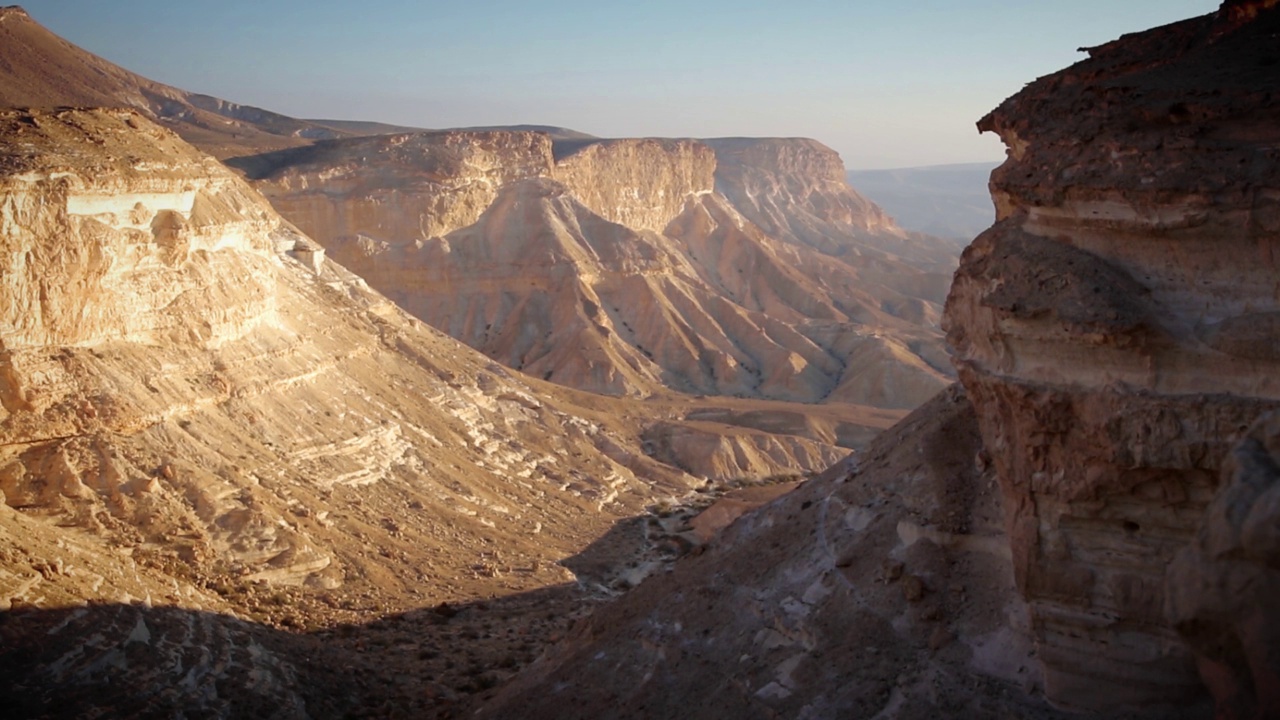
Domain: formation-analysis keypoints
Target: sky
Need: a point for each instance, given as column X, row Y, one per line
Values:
column 887, row 84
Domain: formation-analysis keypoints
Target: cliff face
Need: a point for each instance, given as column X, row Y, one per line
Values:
column 398, row 188
column 882, row 588
column 641, row 183
column 1117, row 331
column 159, row 314
column 611, row 266
column 1091, row 520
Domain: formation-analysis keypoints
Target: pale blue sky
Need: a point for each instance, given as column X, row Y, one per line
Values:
column 888, row 84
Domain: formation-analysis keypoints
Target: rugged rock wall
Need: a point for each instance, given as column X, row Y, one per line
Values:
column 358, row 194
column 1117, row 331
column 170, row 344
column 225, row 463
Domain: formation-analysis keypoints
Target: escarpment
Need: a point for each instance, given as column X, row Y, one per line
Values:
column 882, row 588
column 795, row 189
column 612, row 266
column 171, row 344
column 1116, row 332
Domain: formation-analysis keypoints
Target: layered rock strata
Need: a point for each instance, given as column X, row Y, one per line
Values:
column 182, row 370
column 1116, row 330
column 642, row 182
column 796, row 190
column 1220, row 591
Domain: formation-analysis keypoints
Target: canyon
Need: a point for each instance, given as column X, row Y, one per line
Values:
column 201, row 412
column 223, row 452
column 1086, row 525
column 507, row 423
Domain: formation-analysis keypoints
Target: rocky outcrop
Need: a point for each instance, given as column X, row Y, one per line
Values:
column 166, row 351
column 1114, row 335
column 363, row 196
column 1116, row 332
column 198, row 410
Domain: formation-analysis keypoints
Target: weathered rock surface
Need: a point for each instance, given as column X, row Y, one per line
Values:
column 796, row 190
column 1220, row 592
column 639, row 182
column 168, row 357
column 883, row 588
column 1116, row 331
column 1091, row 531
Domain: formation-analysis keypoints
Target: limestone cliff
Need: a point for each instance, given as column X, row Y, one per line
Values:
column 883, row 588
column 795, row 189
column 1117, row 330
column 170, row 344
column 364, row 196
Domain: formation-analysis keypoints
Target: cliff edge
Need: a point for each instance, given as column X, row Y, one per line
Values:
column 1117, row 331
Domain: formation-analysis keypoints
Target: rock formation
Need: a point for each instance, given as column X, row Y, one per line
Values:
column 795, row 189
column 883, row 588
column 1116, row 331
column 706, row 302
column 641, row 183
column 1220, row 592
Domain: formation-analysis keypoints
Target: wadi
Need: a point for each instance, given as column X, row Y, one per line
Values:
column 308, row 418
